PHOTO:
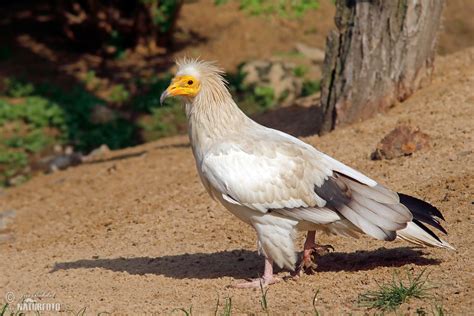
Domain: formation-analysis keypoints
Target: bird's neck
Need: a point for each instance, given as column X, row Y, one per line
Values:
column 213, row 118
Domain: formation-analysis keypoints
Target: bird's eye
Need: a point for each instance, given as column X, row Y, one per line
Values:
column 190, row 82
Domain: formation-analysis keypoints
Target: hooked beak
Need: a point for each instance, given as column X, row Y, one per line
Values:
column 163, row 96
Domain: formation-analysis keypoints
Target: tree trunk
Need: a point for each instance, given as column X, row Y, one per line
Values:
column 381, row 52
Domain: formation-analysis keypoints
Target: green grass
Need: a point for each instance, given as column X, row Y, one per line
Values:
column 389, row 296
column 4, row 310
column 186, row 312
column 263, row 299
column 315, row 299
column 227, row 309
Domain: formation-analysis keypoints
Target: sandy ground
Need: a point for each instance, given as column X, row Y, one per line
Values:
column 136, row 232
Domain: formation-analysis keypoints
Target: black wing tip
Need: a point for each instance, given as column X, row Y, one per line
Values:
column 423, row 212
column 432, row 210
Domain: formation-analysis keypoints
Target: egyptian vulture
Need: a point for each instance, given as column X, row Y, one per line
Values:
column 279, row 185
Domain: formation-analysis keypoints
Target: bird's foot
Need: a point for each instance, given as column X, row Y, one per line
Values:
column 308, row 262
column 322, row 249
column 257, row 283
column 306, row 266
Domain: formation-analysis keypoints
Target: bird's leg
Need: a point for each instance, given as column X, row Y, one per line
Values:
column 267, row 278
column 307, row 264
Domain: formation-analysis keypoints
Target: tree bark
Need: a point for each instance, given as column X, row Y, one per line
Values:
column 381, row 52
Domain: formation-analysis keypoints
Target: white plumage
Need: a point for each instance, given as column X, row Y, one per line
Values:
column 278, row 184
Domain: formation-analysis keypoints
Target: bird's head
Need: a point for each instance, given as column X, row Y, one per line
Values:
column 193, row 78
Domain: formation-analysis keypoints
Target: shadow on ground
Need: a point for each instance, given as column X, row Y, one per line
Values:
column 242, row 264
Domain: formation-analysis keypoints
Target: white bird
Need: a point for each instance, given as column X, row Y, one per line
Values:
column 279, row 185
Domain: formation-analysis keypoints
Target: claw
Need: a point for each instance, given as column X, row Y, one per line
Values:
column 323, row 249
column 308, row 261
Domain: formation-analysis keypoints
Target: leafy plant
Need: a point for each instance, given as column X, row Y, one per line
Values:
column 300, row 71
column 251, row 99
column 82, row 132
column 18, row 88
column 149, row 98
column 28, row 127
column 164, row 121
column 118, row 94
column 162, row 13
column 310, row 87
column 265, row 96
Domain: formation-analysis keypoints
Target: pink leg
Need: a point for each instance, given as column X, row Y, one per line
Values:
column 265, row 280
column 309, row 244
column 307, row 264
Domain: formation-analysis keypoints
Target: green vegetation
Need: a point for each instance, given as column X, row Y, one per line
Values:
column 84, row 131
column 148, row 97
column 34, row 119
column 164, row 121
column 227, row 309
column 300, row 71
column 390, row 296
column 315, row 299
column 162, row 13
column 27, row 128
column 4, row 310
column 263, row 299
column 186, row 312
column 118, row 94
column 18, row 88
column 283, row 8
column 310, row 87
column 251, row 99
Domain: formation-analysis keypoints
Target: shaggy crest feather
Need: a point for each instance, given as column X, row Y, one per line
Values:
column 200, row 68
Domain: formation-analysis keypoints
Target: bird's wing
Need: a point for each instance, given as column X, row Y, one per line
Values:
column 264, row 175
column 279, row 172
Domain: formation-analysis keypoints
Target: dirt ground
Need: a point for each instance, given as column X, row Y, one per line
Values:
column 135, row 231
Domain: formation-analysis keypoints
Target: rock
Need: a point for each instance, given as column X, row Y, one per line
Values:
column 64, row 161
column 63, row 158
column 314, row 54
column 404, row 140
column 101, row 114
column 98, row 153
column 278, row 75
column 6, row 218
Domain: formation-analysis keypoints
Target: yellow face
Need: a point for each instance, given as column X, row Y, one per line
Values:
column 184, row 86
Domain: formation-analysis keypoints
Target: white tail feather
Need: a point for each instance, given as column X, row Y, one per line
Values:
column 415, row 234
